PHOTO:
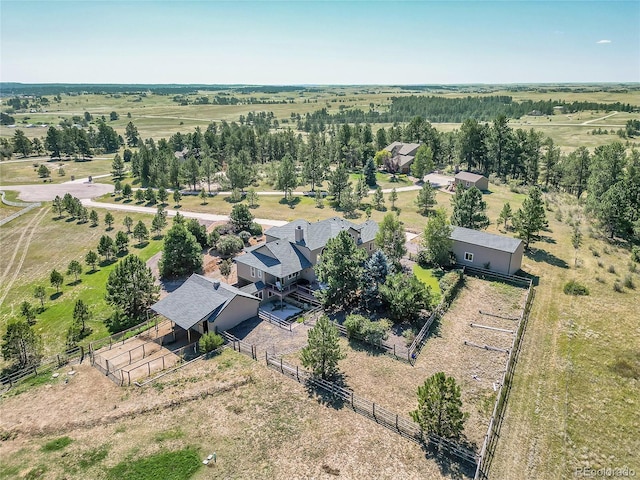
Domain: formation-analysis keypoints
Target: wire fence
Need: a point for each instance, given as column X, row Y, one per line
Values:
column 120, row 337
column 487, row 451
column 168, row 360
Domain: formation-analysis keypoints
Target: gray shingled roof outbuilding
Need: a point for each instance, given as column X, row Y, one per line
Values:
column 196, row 300
column 484, row 239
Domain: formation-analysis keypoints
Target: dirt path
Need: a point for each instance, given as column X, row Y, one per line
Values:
column 31, row 229
column 598, row 119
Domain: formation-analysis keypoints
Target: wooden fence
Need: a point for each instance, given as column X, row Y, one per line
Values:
column 74, row 355
column 491, row 438
column 391, row 420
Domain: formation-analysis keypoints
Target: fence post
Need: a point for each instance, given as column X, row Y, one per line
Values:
column 281, row 369
column 81, row 354
column 58, row 356
column 107, row 365
column 266, row 357
column 163, row 362
column 149, row 367
column 374, row 412
column 397, row 422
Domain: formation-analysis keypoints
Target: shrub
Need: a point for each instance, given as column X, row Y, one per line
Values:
column 595, row 252
column 255, row 229
column 245, row 236
column 617, row 286
column 57, row 444
column 611, row 269
column 229, row 245
column 575, row 288
column 628, row 282
column 409, row 336
column 235, row 196
column 364, row 329
column 632, row 267
column 600, row 279
column 606, row 250
column 210, row 341
column 635, row 254
column 558, row 215
column 600, row 264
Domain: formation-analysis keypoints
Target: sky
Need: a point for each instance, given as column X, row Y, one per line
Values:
column 307, row 42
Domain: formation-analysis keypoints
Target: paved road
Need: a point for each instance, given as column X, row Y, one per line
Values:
column 210, row 217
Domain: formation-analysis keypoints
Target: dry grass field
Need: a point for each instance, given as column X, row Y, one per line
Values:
column 258, row 423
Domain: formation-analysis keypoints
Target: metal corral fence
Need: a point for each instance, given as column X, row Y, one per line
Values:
column 172, row 359
column 71, row 356
column 120, row 337
column 491, row 438
column 391, row 420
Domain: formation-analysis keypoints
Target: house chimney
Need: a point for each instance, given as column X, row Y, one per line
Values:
column 299, row 234
column 216, row 284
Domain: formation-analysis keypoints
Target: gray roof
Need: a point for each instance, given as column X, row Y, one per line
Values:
column 279, row 258
column 484, row 239
column 468, row 177
column 196, row 300
column 404, row 160
column 253, row 288
column 317, row 234
column 403, row 148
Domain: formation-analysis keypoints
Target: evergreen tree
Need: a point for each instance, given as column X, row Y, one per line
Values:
column 531, row 218
column 108, row 220
column 322, row 352
column 128, row 223
column 426, row 198
column 39, row 293
column 127, row 191
column 181, row 255
column 58, row 205
column 28, row 312
column 376, row 269
column 391, row 239
column 131, row 289
column 163, row 195
column 287, row 180
column 338, row 182
column 117, row 167
column 56, row 280
column 405, row 296
column 393, row 198
column 436, row 239
column 140, row 232
column 225, row 268
column 252, row 198
column 21, row 345
column 422, row 163
column 75, row 269
column 121, row 243
column 131, row 134
column 469, row 209
column 240, row 218
column 439, row 409
column 93, row 216
column 378, row 199
column 369, row 172
column 177, row 196
column 91, row 259
column 340, row 267
column 505, row 214
column 106, row 247
column 314, row 166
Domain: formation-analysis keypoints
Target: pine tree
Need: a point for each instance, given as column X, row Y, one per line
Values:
column 140, row 232
column 106, row 247
column 378, row 199
column 426, row 198
column 108, row 220
column 393, row 198
column 439, row 409
column 369, row 172
column 469, row 209
column 56, row 280
column 91, row 259
column 338, row 182
column 422, row 163
column 117, row 167
column 322, row 352
column 181, row 255
column 74, row 269
column 287, row 179
column 436, row 239
column 391, row 239
column 531, row 218
column 128, row 223
column 21, row 345
column 505, row 214
column 376, row 270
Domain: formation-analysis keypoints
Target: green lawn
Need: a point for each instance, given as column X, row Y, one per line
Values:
column 429, row 277
column 178, row 465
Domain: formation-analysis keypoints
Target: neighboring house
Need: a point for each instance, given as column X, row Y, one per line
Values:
column 205, row 305
column 403, row 154
column 283, row 264
column 468, row 180
column 497, row 253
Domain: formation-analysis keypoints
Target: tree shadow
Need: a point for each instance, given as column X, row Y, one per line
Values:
column 70, row 219
column 361, row 346
column 540, row 255
column 55, row 219
column 547, row 239
column 449, row 465
column 92, row 271
column 535, row 280
column 74, row 283
column 55, row 296
column 128, row 200
column 123, row 253
column 142, row 244
column 290, row 202
column 106, row 263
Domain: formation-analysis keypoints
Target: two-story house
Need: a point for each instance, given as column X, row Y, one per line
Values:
column 403, row 154
column 283, row 264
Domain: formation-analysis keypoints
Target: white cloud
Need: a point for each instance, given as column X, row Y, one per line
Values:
column 603, row 41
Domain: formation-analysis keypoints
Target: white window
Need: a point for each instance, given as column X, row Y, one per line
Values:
column 468, row 257
column 259, row 273
column 253, row 272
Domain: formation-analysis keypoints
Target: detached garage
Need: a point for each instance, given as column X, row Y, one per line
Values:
column 497, row 253
column 468, row 180
column 204, row 305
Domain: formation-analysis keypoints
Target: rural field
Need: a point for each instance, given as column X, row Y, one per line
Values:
column 573, row 402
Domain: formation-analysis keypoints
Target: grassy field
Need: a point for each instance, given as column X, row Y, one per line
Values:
column 580, row 364
column 23, row 173
column 44, row 243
